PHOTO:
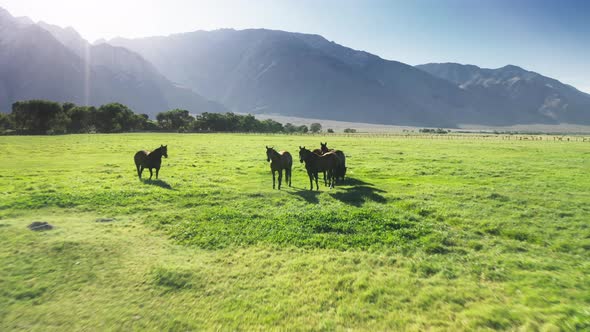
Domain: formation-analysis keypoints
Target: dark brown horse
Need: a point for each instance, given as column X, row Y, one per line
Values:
column 145, row 159
column 315, row 163
column 324, row 148
column 279, row 161
column 341, row 171
column 319, row 153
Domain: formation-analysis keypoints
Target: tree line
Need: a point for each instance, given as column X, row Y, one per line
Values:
column 42, row 117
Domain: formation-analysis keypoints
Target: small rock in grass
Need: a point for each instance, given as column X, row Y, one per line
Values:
column 105, row 219
column 40, row 226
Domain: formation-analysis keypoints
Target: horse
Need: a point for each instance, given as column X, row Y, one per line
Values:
column 341, row 171
column 315, row 163
column 145, row 159
column 279, row 161
column 324, row 148
column 319, row 153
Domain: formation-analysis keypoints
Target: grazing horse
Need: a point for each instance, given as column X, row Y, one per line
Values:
column 319, row 163
column 341, row 171
column 279, row 161
column 145, row 159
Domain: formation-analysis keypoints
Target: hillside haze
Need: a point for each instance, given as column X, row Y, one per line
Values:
column 263, row 71
column 266, row 71
column 44, row 61
column 517, row 95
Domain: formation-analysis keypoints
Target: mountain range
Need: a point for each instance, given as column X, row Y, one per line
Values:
column 43, row 61
column 271, row 72
column 513, row 92
column 266, row 71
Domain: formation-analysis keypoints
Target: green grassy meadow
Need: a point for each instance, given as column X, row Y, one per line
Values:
column 426, row 234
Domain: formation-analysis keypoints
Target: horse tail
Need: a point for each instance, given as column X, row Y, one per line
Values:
column 341, row 172
column 288, row 170
column 338, row 163
column 287, row 159
column 139, row 157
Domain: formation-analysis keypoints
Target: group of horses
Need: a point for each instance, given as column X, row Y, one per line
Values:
column 332, row 163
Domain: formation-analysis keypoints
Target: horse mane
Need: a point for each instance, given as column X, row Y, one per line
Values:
column 309, row 153
column 159, row 150
column 274, row 153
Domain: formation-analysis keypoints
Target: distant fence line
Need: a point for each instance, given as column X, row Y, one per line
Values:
column 402, row 135
column 462, row 136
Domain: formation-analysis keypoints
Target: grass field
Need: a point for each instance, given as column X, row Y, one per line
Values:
column 424, row 235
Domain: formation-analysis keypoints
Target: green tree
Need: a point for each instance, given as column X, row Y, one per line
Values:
column 211, row 122
column 249, row 123
column 302, row 129
column 289, row 128
column 330, row 130
column 175, row 120
column 143, row 122
column 315, row 127
column 39, row 117
column 6, row 122
column 67, row 106
column 350, row 130
column 80, row 119
column 271, row 126
column 114, row 118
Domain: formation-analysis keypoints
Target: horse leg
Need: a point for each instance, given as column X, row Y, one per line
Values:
column 157, row 171
column 280, row 177
column 315, row 175
column 332, row 178
column 289, row 170
column 151, row 173
column 138, row 171
column 273, row 179
column 335, row 177
column 310, row 175
column 335, row 173
column 325, row 182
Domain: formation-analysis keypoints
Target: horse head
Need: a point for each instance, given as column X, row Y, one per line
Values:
column 303, row 153
column 324, row 147
column 164, row 150
column 269, row 151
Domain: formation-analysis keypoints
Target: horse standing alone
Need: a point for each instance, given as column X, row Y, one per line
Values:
column 150, row 160
column 278, row 162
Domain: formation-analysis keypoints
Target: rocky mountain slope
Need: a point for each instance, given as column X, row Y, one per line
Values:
column 42, row 61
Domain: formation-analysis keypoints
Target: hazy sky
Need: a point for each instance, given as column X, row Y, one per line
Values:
column 551, row 37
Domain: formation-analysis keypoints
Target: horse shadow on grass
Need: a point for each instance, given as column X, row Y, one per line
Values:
column 158, row 183
column 359, row 193
column 308, row 195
